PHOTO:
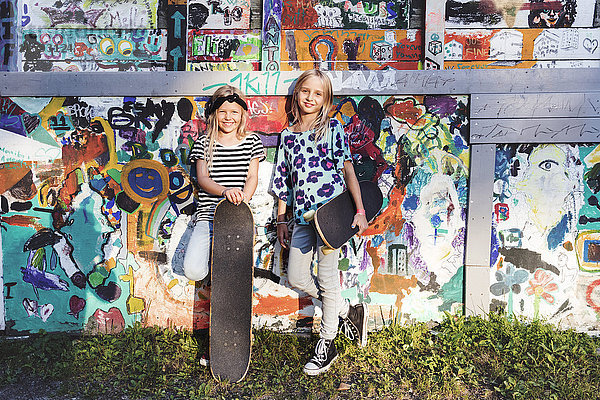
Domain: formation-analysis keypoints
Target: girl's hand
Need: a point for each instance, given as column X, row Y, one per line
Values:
column 234, row 195
column 283, row 234
column 360, row 221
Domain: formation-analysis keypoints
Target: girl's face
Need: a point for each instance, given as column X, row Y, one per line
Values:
column 311, row 96
column 229, row 116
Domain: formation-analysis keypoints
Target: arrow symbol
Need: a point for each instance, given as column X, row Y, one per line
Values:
column 177, row 17
column 176, row 54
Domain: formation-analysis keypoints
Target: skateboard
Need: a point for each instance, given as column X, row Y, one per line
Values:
column 231, row 291
column 333, row 219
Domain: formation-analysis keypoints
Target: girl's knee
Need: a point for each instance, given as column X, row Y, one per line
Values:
column 196, row 272
column 299, row 281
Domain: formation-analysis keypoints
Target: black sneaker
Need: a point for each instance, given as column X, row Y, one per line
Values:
column 325, row 354
column 354, row 326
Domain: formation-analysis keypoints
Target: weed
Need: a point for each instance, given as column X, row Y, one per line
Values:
column 460, row 358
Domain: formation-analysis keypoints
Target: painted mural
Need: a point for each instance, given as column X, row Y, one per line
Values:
column 346, row 14
column 94, row 14
column 351, row 50
column 545, row 261
column 96, row 198
column 520, row 13
column 59, row 49
column 223, row 35
column 8, row 38
column 522, row 44
column 219, row 14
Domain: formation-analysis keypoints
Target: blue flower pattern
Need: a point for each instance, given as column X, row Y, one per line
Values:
column 306, row 176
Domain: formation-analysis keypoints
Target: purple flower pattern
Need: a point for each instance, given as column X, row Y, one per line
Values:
column 306, row 176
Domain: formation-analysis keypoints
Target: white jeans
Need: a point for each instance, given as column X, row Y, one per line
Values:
column 305, row 241
column 197, row 255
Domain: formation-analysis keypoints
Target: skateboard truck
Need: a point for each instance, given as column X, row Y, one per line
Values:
column 309, row 216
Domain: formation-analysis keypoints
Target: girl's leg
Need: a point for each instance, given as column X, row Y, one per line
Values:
column 302, row 248
column 331, row 291
column 197, row 255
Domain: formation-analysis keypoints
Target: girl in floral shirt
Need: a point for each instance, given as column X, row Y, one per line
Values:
column 313, row 166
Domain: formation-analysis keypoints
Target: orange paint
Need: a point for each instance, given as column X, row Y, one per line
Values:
column 22, row 220
column 11, row 173
column 393, row 284
column 391, row 218
column 272, row 305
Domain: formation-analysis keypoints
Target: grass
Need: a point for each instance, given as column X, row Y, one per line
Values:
column 461, row 358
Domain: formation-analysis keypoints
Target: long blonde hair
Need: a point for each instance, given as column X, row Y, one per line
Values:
column 321, row 123
column 212, row 129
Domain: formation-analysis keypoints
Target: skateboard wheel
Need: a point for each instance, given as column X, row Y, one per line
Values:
column 309, row 215
column 327, row 250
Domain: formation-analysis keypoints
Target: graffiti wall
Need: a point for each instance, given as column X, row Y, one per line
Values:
column 351, row 50
column 96, row 198
column 521, row 34
column 545, row 233
column 271, row 35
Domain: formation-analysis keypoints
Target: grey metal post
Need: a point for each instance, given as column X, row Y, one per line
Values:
column 479, row 229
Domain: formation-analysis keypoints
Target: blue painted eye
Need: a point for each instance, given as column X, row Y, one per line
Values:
column 547, row 165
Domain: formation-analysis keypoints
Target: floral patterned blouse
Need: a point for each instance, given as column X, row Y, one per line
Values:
column 309, row 174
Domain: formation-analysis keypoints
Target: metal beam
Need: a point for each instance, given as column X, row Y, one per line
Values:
column 535, row 105
column 535, row 130
column 261, row 83
column 479, row 229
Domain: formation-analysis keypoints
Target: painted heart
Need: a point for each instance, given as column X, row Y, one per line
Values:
column 76, row 305
column 45, row 311
column 247, row 49
column 30, row 122
column 590, row 45
column 31, row 306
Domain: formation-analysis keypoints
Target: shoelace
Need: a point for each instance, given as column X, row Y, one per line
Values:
column 320, row 351
column 347, row 329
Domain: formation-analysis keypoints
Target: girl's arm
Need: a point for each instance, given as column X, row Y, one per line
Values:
column 360, row 219
column 251, row 179
column 283, row 233
column 234, row 195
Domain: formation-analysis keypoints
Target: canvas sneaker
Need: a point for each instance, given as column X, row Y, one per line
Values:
column 325, row 354
column 204, row 360
column 354, row 326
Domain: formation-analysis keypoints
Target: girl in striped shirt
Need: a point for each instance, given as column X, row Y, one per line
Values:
column 226, row 158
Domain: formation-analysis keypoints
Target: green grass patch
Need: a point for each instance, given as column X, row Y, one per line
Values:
column 460, row 358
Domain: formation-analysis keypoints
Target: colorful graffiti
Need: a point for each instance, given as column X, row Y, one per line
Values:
column 302, row 14
column 219, row 14
column 350, row 50
column 520, row 13
column 544, row 247
column 224, row 46
column 522, row 44
column 103, row 14
column 97, row 194
column 42, row 49
column 8, row 39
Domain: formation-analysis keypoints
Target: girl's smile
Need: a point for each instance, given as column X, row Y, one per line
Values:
column 229, row 116
column 310, row 97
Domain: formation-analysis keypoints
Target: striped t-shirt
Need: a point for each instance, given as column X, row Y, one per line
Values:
column 229, row 168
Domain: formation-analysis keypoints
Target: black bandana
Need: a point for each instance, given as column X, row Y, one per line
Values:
column 211, row 106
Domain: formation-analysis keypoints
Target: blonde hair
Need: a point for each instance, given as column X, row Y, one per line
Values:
column 321, row 123
column 212, row 129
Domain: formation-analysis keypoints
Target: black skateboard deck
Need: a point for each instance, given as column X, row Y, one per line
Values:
column 333, row 220
column 231, row 291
